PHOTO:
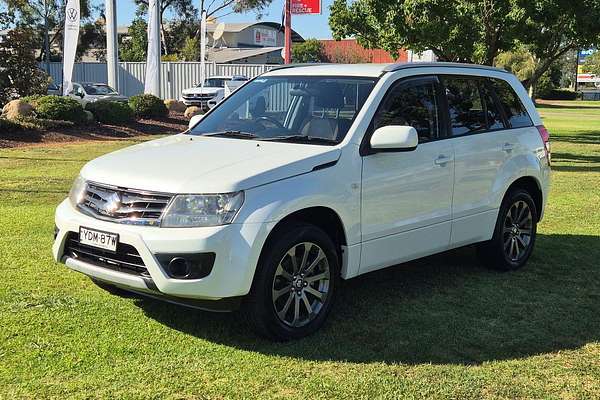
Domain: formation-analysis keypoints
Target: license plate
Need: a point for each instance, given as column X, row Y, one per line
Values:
column 103, row 240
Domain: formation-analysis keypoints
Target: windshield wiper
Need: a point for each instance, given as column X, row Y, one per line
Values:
column 302, row 139
column 234, row 134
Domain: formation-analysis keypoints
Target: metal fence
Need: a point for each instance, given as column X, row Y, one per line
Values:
column 175, row 76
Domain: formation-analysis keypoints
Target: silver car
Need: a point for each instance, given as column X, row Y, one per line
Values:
column 89, row 92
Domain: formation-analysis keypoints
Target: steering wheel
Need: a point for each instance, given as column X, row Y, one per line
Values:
column 271, row 120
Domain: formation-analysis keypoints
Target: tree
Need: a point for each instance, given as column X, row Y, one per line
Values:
column 134, row 47
column 310, row 51
column 190, row 50
column 183, row 9
column 553, row 28
column 471, row 30
column 19, row 72
column 519, row 62
column 592, row 64
column 460, row 30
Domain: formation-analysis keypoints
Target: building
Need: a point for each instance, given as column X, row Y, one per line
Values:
column 349, row 51
column 248, row 42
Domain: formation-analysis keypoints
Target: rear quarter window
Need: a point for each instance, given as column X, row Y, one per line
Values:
column 513, row 108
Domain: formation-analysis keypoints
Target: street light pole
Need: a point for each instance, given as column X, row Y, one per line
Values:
column 288, row 32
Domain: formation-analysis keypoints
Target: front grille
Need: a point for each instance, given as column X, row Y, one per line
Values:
column 198, row 96
column 125, row 259
column 125, row 206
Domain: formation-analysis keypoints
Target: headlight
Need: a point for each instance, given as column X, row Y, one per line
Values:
column 190, row 210
column 78, row 190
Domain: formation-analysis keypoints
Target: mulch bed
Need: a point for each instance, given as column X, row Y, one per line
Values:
column 174, row 123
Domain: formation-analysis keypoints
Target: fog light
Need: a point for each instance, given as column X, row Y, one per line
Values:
column 179, row 268
column 186, row 266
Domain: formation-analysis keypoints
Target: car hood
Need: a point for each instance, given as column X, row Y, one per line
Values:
column 199, row 90
column 196, row 164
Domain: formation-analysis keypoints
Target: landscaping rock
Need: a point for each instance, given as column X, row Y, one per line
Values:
column 17, row 109
column 193, row 110
column 175, row 105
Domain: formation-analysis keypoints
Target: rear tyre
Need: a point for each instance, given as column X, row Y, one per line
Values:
column 514, row 234
column 295, row 283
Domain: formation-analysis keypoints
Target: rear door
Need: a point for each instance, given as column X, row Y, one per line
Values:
column 407, row 196
column 484, row 142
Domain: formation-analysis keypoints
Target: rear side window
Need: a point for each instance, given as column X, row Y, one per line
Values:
column 465, row 106
column 515, row 112
column 414, row 104
column 492, row 112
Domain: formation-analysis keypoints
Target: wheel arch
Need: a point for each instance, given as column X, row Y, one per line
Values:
column 322, row 217
column 533, row 187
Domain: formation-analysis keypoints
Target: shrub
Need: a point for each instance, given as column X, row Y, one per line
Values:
column 110, row 112
column 33, row 99
column 60, row 108
column 560, row 94
column 9, row 126
column 148, row 106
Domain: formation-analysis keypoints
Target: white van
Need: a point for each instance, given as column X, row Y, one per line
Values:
column 308, row 175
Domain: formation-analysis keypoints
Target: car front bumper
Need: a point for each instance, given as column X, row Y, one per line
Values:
column 236, row 246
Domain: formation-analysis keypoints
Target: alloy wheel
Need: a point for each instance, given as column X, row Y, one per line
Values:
column 517, row 231
column 301, row 284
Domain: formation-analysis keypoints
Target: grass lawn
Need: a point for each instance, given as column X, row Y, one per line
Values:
column 442, row 327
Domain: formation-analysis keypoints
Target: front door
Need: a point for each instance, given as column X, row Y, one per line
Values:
column 407, row 196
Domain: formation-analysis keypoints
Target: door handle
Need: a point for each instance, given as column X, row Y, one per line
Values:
column 508, row 147
column 442, row 160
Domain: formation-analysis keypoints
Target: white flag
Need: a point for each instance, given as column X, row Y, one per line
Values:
column 152, row 84
column 203, row 49
column 70, row 45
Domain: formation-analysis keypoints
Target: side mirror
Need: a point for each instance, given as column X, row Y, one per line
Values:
column 394, row 138
column 194, row 120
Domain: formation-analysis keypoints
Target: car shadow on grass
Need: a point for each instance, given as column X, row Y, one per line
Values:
column 441, row 309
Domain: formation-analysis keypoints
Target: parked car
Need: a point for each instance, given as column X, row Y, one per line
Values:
column 90, row 92
column 213, row 91
column 312, row 174
column 54, row 89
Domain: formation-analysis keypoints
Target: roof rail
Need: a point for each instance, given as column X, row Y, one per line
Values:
column 286, row 66
column 407, row 65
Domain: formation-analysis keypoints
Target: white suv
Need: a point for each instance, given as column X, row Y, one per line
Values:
column 308, row 175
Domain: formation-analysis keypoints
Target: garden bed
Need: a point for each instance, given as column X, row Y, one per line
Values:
column 174, row 123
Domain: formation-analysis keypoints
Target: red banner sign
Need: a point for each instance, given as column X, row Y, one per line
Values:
column 306, row 6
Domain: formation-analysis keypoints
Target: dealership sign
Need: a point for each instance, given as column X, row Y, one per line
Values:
column 582, row 76
column 306, row 6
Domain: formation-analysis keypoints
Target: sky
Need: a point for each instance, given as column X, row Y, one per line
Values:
column 308, row 26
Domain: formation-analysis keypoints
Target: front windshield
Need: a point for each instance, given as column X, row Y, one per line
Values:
column 290, row 106
column 214, row 82
column 99, row 89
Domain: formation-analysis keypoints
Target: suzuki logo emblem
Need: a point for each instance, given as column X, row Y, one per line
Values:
column 112, row 204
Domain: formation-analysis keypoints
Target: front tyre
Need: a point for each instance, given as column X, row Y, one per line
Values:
column 295, row 283
column 514, row 234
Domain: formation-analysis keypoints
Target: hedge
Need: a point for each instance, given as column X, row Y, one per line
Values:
column 148, row 106
column 110, row 112
column 59, row 108
column 559, row 94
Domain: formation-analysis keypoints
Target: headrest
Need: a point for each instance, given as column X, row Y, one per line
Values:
column 329, row 95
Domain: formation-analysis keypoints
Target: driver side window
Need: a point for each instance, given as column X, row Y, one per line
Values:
column 413, row 104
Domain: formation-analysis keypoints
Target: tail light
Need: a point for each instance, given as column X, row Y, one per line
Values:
column 545, row 135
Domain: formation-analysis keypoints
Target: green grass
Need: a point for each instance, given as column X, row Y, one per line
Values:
column 442, row 327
